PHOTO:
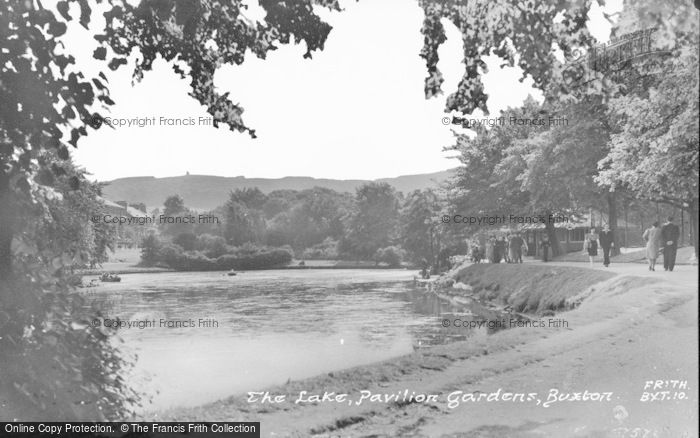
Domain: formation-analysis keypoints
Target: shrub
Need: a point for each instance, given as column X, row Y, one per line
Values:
column 391, row 255
column 187, row 241
column 150, row 248
column 175, row 258
column 326, row 250
column 212, row 246
column 170, row 254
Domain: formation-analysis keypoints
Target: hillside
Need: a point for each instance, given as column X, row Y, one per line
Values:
column 205, row 192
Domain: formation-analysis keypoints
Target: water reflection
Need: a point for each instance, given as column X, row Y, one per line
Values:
column 271, row 326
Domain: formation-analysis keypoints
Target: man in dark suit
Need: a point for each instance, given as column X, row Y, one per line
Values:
column 607, row 242
column 669, row 236
column 544, row 245
column 516, row 244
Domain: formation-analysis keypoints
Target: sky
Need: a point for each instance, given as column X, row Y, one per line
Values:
column 356, row 110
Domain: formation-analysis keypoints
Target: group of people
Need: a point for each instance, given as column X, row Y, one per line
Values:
column 662, row 239
column 605, row 240
column 508, row 248
column 659, row 239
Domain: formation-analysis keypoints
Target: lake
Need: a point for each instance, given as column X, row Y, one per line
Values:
column 210, row 336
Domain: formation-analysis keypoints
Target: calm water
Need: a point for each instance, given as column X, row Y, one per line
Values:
column 272, row 326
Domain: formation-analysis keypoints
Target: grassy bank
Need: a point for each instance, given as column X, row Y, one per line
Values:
column 527, row 288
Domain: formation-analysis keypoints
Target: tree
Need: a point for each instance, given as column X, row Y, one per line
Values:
column 251, row 197
column 39, row 95
column 43, row 96
column 486, row 181
column 391, row 255
column 213, row 246
column 48, row 348
column 655, row 154
column 560, row 164
column 418, row 221
column 242, row 224
column 188, row 241
column 305, row 218
column 373, row 225
column 173, row 206
column 150, row 250
column 198, row 36
column 519, row 32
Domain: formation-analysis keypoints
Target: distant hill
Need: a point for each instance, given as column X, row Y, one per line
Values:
column 204, row 192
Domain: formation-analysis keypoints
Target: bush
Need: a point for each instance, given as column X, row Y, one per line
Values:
column 262, row 260
column 187, row 241
column 212, row 246
column 150, row 249
column 170, row 254
column 326, row 250
column 175, row 258
column 391, row 255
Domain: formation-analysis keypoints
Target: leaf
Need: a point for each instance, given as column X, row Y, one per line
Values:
column 57, row 28
column 85, row 12
column 100, row 53
column 116, row 62
column 74, row 183
column 62, row 8
column 63, row 153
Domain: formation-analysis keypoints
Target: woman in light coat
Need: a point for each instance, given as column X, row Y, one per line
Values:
column 653, row 238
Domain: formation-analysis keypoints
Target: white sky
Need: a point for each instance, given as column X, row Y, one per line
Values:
column 356, row 110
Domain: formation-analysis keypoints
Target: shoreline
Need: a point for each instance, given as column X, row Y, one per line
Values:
column 603, row 329
column 684, row 259
column 138, row 270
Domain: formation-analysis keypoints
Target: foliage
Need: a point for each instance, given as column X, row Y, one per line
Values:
column 212, row 246
column 374, row 222
column 150, row 250
column 47, row 341
column 487, row 181
column 173, row 256
column 174, row 205
column 418, row 221
column 522, row 33
column 312, row 216
column 391, row 255
column 242, row 224
column 538, row 169
column 655, row 152
column 187, row 241
column 326, row 250
column 559, row 163
column 198, row 36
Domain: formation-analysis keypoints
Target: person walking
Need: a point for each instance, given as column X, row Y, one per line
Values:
column 500, row 249
column 516, row 248
column 590, row 246
column 510, row 255
column 607, row 242
column 490, row 244
column 475, row 252
column 653, row 238
column 669, row 238
column 544, row 245
column 524, row 249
